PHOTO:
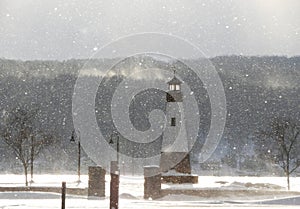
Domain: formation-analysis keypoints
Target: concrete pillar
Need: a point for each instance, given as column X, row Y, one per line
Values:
column 96, row 182
column 152, row 184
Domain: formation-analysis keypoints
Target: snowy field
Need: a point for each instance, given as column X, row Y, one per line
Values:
column 131, row 193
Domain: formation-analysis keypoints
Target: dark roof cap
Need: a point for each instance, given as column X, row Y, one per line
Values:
column 174, row 81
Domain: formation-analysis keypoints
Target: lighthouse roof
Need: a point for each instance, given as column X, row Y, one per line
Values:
column 175, row 81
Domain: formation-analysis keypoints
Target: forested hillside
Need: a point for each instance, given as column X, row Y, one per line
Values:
column 257, row 89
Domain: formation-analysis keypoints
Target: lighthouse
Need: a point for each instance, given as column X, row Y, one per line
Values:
column 175, row 151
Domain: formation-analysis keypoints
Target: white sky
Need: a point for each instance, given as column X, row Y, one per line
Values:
column 64, row 29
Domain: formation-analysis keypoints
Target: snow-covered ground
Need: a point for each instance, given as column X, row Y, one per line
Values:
column 235, row 182
column 131, row 193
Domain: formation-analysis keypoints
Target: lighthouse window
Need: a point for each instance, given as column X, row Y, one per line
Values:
column 172, row 87
column 173, row 121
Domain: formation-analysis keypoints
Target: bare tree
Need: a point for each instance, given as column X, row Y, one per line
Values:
column 39, row 141
column 21, row 135
column 281, row 143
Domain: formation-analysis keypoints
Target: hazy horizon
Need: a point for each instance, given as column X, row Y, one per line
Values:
column 111, row 58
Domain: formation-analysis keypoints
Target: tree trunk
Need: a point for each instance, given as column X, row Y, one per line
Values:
column 31, row 159
column 288, row 170
column 31, row 172
column 25, row 172
column 288, row 180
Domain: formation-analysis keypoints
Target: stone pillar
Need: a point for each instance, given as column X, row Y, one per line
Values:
column 152, row 184
column 96, row 182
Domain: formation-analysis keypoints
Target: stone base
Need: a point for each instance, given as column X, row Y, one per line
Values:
column 152, row 183
column 177, row 161
column 96, row 183
column 184, row 179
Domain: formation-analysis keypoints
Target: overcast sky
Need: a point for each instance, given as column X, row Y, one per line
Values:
column 64, row 29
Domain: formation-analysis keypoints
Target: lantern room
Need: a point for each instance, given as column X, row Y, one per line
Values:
column 174, row 84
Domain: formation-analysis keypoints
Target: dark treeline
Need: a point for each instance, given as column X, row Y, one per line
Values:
column 257, row 90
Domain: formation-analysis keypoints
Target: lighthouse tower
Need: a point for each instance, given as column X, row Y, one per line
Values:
column 175, row 152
